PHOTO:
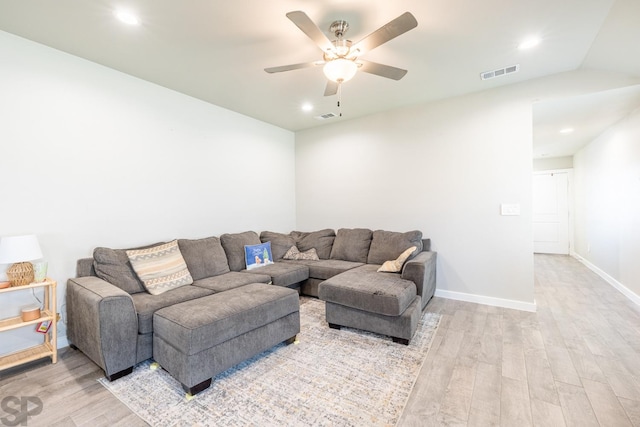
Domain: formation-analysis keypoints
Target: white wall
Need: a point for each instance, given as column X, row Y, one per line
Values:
column 552, row 163
column 607, row 186
column 93, row 157
column 443, row 168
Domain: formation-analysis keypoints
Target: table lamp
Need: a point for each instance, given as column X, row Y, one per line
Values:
column 19, row 250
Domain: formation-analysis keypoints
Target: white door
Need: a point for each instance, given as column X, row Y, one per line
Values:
column 551, row 212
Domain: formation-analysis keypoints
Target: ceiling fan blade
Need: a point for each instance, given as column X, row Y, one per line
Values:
column 331, row 88
column 292, row 67
column 390, row 30
column 312, row 31
column 382, row 70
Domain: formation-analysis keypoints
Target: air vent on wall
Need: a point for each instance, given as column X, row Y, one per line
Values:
column 326, row 116
column 499, row 72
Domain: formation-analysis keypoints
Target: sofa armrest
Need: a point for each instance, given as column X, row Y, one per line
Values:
column 102, row 323
column 421, row 270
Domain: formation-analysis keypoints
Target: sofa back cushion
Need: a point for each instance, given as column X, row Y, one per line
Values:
column 113, row 266
column 352, row 244
column 204, row 257
column 280, row 243
column 234, row 243
column 321, row 240
column 160, row 268
column 388, row 245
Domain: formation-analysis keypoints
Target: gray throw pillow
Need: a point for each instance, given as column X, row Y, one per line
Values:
column 352, row 244
column 388, row 245
column 234, row 244
column 204, row 257
column 321, row 240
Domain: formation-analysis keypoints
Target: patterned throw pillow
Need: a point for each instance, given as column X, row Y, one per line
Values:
column 160, row 268
column 258, row 255
column 395, row 266
column 294, row 253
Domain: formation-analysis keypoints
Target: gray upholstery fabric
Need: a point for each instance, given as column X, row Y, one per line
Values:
column 233, row 245
column 194, row 369
column 147, row 304
column 204, row 257
column 388, row 245
column 421, row 270
column 282, row 273
column 403, row 326
column 101, row 322
column 280, row 243
column 84, row 267
column 197, row 325
column 322, row 240
column 352, row 244
column 310, row 287
column 145, row 347
column 113, row 266
column 365, row 289
column 231, row 280
column 326, row 268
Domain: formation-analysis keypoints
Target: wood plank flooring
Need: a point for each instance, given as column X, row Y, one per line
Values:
column 575, row 362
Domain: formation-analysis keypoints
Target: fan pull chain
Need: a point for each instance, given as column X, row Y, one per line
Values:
column 340, row 99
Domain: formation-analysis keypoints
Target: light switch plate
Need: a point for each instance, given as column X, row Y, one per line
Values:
column 509, row 209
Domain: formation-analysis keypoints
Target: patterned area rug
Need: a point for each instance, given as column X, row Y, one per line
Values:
column 328, row 378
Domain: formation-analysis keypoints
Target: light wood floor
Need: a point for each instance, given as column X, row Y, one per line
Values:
column 575, row 362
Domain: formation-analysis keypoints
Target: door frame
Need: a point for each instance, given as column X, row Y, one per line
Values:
column 570, row 199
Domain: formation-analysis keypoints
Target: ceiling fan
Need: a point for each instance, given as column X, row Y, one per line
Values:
column 341, row 58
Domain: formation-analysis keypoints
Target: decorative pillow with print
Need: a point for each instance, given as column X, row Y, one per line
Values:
column 295, row 254
column 395, row 265
column 160, row 268
column 258, row 255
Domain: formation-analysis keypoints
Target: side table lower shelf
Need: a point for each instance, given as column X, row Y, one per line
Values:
column 27, row 355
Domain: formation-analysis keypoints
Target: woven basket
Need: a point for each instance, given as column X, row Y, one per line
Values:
column 20, row 273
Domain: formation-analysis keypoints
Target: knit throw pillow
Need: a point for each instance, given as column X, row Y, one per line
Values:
column 160, row 268
column 294, row 253
column 395, row 265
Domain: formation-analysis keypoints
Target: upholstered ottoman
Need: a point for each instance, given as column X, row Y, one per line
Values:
column 196, row 340
column 377, row 302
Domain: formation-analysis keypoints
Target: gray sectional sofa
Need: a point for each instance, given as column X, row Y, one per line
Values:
column 229, row 314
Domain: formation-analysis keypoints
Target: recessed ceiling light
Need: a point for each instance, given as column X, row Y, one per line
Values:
column 566, row 130
column 529, row 43
column 127, row 17
column 307, row 107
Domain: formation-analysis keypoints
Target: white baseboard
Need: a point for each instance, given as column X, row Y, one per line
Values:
column 481, row 299
column 610, row 280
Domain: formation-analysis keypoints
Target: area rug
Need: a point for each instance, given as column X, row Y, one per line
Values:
column 327, row 378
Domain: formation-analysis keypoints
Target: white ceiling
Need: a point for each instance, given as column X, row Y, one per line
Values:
column 217, row 51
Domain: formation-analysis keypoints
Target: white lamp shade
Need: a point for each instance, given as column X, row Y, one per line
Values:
column 340, row 70
column 19, row 249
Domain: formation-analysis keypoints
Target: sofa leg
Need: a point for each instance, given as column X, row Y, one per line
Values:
column 72, row 347
column 197, row 388
column 120, row 374
column 334, row 326
column 291, row 340
column 402, row 341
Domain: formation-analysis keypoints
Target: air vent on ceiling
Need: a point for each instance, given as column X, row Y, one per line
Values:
column 486, row 75
column 326, row 116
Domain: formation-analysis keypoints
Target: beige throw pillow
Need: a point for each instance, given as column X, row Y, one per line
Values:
column 395, row 266
column 160, row 268
column 294, row 253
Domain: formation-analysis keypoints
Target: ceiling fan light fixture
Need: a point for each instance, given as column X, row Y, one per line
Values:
column 340, row 70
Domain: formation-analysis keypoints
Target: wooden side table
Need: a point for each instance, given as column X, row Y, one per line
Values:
column 49, row 347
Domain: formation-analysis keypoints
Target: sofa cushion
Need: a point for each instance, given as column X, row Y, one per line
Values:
column 352, row 244
column 234, row 244
column 322, row 240
column 388, row 245
column 113, row 266
column 294, row 254
column 395, row 265
column 204, row 257
column 160, row 268
column 147, row 304
column 326, row 268
column 283, row 273
column 231, row 280
column 364, row 289
column 280, row 243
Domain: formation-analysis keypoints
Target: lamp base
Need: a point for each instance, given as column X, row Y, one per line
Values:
column 20, row 273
